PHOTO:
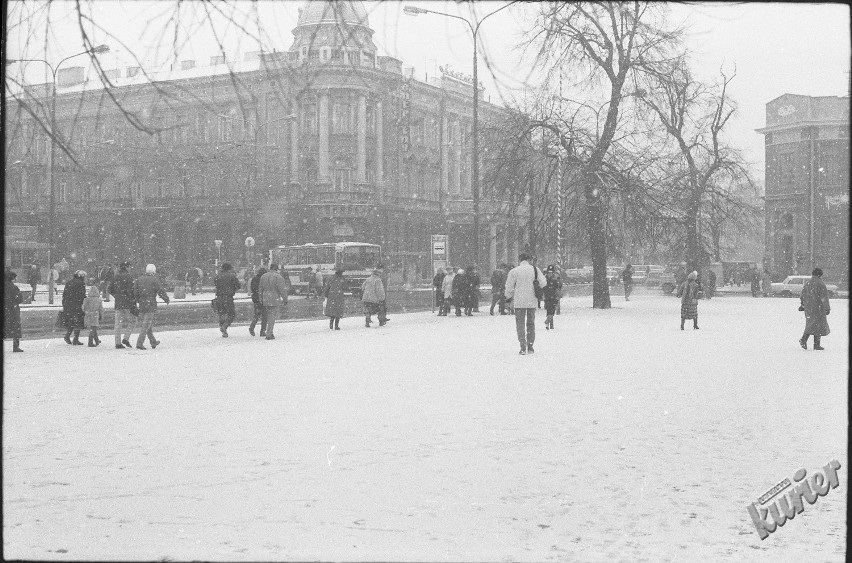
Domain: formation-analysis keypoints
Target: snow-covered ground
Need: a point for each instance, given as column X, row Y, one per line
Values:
column 430, row 439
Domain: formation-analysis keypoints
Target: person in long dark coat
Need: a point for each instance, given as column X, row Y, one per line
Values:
column 461, row 287
column 259, row 311
column 815, row 304
column 627, row 277
column 473, row 277
column 334, row 299
column 690, row 293
column 227, row 285
column 34, row 278
column 72, row 305
column 12, row 300
column 552, row 293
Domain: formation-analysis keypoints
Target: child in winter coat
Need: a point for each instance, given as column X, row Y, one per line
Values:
column 93, row 307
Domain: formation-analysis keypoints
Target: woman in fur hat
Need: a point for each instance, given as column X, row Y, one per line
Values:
column 689, row 292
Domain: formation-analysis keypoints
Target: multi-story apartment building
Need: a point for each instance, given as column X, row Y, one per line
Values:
column 807, row 186
column 327, row 141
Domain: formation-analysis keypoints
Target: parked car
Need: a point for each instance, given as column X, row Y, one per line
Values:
column 792, row 287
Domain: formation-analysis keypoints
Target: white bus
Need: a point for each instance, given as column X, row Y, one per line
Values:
column 356, row 258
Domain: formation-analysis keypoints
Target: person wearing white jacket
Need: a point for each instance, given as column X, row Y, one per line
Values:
column 520, row 290
column 447, row 288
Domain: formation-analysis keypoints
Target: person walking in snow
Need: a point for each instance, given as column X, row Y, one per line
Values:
column 473, row 277
column 72, row 306
column 193, row 276
column 259, row 311
column 334, row 299
column 227, row 285
column 461, row 288
column 520, row 290
column 689, row 292
column 627, row 278
column 498, row 285
column 12, row 299
column 552, row 293
column 438, row 284
column 121, row 290
column 372, row 294
column 93, row 311
column 146, row 290
column 814, row 302
column 447, row 288
column 274, row 290
column 34, row 278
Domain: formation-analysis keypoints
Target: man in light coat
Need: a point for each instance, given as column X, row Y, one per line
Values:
column 372, row 295
column 447, row 288
column 520, row 290
column 146, row 289
column 273, row 290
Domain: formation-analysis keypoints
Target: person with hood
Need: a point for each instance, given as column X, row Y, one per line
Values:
column 520, row 290
column 461, row 289
column 447, row 288
column 12, row 300
column 498, row 285
column 814, row 302
column 274, row 289
column 627, row 278
column 334, row 299
column 227, row 285
column 72, row 305
column 689, row 292
column 93, row 311
column 259, row 311
column 552, row 293
column 372, row 295
column 438, row 284
column 121, row 290
column 34, row 278
column 146, row 289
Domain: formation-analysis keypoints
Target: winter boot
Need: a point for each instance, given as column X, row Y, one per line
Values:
column 92, row 340
column 16, row 345
column 97, row 340
column 68, row 336
column 816, row 342
column 367, row 320
column 803, row 341
column 76, row 341
column 682, row 321
column 336, row 323
column 331, row 323
column 695, row 323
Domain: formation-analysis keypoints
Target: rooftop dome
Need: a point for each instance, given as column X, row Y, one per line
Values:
column 351, row 12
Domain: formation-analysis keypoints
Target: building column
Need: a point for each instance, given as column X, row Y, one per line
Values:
column 361, row 150
column 294, row 145
column 380, row 146
column 445, row 155
column 504, row 233
column 323, row 174
column 458, row 153
column 492, row 247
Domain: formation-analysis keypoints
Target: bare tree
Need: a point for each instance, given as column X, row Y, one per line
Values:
column 607, row 42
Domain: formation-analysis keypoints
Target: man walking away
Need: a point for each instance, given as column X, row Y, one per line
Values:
column 273, row 293
column 334, row 299
column 460, row 289
column 814, row 302
column 627, row 278
column 498, row 286
column 121, row 289
column 146, row 289
column 34, row 278
column 259, row 311
column 521, row 291
column 372, row 294
column 227, row 285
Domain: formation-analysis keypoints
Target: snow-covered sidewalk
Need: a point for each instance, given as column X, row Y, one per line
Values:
column 621, row 439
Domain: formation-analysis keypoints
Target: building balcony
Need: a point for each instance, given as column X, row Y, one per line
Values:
column 327, row 197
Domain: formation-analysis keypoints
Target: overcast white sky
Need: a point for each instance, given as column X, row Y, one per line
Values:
column 777, row 48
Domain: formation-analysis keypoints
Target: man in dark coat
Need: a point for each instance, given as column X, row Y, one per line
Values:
column 461, row 288
column 259, row 311
column 192, row 278
column 34, row 278
column 227, row 285
column 146, row 289
column 814, row 302
column 438, row 284
column 475, row 280
column 498, row 285
column 334, row 299
column 72, row 305
column 627, row 278
column 12, row 300
column 121, row 289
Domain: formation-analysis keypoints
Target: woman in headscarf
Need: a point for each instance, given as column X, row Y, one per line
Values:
column 814, row 302
column 689, row 292
column 12, row 300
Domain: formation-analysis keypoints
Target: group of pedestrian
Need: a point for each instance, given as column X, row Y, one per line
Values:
column 459, row 288
column 269, row 292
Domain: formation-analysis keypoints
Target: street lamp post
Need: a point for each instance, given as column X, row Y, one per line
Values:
column 474, row 30
column 52, row 205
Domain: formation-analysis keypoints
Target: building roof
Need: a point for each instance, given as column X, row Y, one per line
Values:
column 349, row 12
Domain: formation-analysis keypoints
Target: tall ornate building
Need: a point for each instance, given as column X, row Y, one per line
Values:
column 327, row 141
column 807, row 185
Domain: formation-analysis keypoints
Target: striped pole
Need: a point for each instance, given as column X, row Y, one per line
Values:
column 559, row 227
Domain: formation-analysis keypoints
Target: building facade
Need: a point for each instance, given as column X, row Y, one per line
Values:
column 807, row 186
column 328, row 141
